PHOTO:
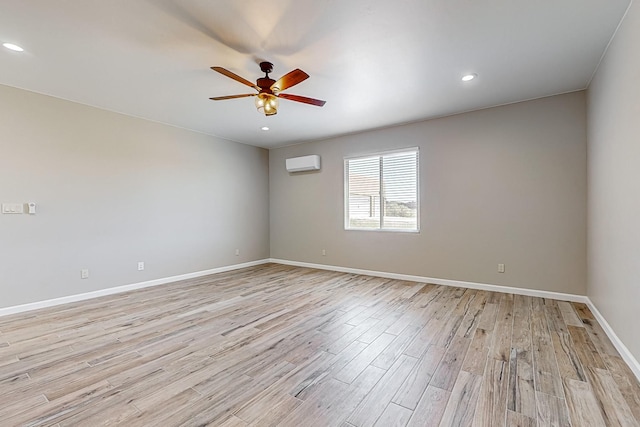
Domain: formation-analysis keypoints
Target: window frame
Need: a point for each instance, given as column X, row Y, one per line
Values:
column 381, row 155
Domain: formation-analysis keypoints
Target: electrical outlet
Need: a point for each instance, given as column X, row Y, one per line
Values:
column 500, row 268
column 324, row 252
column 84, row 273
column 237, row 252
column 140, row 265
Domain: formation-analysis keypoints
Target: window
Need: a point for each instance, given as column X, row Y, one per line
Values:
column 381, row 191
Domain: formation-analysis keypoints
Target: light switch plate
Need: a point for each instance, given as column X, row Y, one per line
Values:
column 12, row 208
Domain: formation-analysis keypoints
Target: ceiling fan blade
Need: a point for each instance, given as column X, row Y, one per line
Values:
column 290, row 79
column 235, row 77
column 220, row 98
column 304, row 99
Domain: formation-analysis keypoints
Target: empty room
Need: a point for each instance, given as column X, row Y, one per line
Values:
column 319, row 213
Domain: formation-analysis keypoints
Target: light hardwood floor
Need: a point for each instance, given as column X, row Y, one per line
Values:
column 278, row 345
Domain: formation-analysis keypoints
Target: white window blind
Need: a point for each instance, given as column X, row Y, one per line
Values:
column 381, row 191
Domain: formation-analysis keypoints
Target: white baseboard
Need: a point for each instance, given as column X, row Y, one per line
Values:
column 436, row 281
column 622, row 349
column 125, row 288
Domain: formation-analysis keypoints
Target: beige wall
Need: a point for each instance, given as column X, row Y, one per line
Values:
column 501, row 185
column 614, row 183
column 113, row 190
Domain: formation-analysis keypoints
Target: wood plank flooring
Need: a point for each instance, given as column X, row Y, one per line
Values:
column 275, row 345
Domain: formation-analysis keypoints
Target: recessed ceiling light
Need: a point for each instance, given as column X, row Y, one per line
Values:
column 469, row 77
column 12, row 46
column 264, row 128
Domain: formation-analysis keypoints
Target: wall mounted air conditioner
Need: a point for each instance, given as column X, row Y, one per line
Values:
column 304, row 163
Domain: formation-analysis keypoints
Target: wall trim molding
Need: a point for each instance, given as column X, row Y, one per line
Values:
column 125, row 288
column 436, row 281
column 622, row 349
column 631, row 361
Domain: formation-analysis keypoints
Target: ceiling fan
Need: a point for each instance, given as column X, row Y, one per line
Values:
column 270, row 90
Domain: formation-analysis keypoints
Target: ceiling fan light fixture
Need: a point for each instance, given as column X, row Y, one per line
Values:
column 267, row 99
column 267, row 104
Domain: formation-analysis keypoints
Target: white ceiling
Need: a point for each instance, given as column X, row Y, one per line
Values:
column 376, row 63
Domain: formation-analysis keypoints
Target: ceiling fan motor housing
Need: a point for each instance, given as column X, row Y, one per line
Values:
column 265, row 84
